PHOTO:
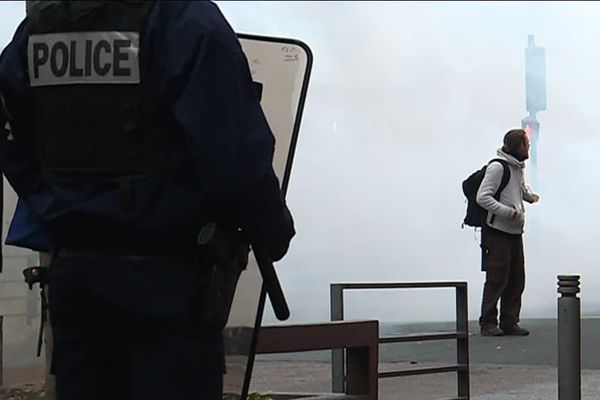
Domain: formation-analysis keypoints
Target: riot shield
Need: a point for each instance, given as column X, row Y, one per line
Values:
column 281, row 70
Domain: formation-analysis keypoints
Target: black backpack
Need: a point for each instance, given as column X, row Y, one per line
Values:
column 475, row 213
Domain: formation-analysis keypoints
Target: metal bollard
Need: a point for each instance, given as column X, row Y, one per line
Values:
column 338, row 356
column 569, row 338
column 1, row 346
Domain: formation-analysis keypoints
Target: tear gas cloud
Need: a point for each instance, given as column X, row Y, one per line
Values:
column 406, row 99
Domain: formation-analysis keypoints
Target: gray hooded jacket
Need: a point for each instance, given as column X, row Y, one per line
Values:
column 511, row 198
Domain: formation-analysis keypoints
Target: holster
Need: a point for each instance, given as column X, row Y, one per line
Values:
column 227, row 256
column 39, row 275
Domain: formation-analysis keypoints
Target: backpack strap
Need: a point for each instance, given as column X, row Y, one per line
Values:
column 503, row 182
column 505, row 176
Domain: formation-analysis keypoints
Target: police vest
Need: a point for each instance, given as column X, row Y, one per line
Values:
column 84, row 64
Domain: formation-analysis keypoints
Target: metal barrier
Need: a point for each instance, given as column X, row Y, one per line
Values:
column 338, row 376
column 569, row 338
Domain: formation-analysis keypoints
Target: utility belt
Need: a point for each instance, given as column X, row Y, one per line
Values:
column 221, row 254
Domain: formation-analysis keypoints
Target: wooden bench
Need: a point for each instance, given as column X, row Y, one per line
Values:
column 360, row 339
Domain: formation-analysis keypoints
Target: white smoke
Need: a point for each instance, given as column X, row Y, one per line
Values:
column 408, row 98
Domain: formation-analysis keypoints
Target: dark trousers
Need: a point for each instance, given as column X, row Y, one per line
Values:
column 504, row 264
column 128, row 329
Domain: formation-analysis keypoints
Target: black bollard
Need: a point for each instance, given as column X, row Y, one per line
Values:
column 569, row 338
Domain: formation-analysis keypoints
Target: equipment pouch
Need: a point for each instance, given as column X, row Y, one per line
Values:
column 228, row 256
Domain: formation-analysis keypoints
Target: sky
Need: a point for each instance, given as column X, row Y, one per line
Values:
column 406, row 99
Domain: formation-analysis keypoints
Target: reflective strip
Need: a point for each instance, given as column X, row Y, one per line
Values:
column 83, row 58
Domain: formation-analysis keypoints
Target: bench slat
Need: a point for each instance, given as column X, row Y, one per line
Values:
column 310, row 337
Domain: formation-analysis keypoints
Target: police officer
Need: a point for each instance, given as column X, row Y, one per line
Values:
column 134, row 123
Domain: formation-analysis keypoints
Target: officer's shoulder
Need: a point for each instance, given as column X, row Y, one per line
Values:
column 201, row 18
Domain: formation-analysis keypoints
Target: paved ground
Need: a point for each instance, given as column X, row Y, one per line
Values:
column 540, row 348
column 506, row 368
column 488, row 382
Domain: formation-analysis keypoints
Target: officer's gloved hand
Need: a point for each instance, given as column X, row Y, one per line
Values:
column 279, row 237
column 278, row 251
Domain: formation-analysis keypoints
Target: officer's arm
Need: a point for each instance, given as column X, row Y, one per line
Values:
column 489, row 187
column 20, row 164
column 232, row 144
column 3, row 129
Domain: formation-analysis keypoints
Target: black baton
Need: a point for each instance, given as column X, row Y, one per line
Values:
column 271, row 282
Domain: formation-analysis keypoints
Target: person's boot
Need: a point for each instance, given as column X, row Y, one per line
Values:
column 515, row 330
column 491, row 330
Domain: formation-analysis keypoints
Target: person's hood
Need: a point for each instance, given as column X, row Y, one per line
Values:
column 511, row 159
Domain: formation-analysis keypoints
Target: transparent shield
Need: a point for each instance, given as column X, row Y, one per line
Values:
column 280, row 69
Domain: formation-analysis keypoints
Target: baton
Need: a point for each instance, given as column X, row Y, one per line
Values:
column 271, row 282
column 209, row 231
